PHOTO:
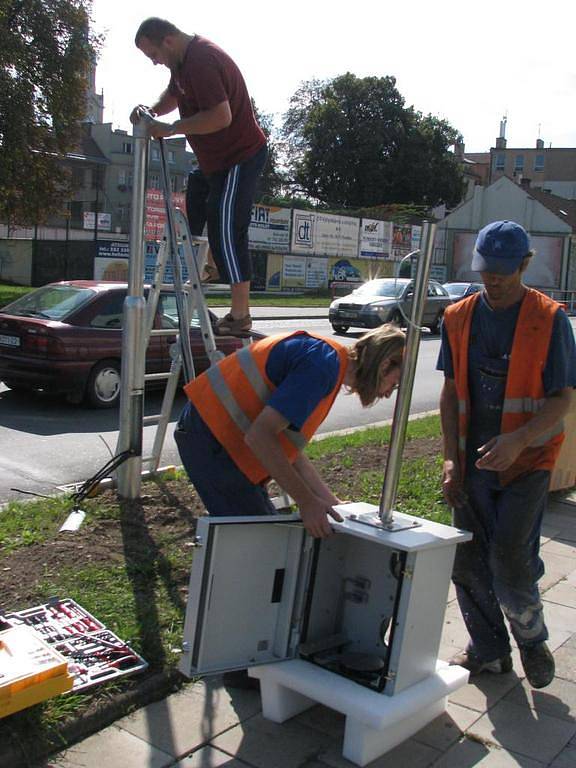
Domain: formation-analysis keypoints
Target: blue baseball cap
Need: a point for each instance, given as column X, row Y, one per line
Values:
column 500, row 247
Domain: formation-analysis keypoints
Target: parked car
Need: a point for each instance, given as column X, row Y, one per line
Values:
column 66, row 338
column 459, row 291
column 387, row 300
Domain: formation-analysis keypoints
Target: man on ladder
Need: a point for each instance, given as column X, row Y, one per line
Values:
column 219, row 123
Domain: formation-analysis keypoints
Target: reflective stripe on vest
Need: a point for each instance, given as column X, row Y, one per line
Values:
column 230, row 403
column 524, row 395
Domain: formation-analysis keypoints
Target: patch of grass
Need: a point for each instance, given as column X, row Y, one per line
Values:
column 10, row 293
column 31, row 522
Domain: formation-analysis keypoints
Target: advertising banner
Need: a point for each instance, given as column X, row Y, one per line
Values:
column 269, row 229
column 104, row 221
column 323, row 234
column 294, row 272
column 111, row 269
column 401, row 241
column 316, row 273
column 155, row 213
column 375, row 239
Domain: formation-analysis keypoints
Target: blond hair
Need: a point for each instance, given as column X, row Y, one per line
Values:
column 386, row 342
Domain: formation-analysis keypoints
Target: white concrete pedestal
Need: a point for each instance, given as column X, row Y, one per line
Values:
column 375, row 723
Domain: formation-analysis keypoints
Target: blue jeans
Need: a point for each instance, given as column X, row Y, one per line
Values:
column 496, row 573
column 223, row 488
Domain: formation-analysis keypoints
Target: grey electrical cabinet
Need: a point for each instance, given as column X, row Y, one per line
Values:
column 366, row 603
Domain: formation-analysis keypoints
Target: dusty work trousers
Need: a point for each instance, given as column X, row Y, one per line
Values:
column 223, row 488
column 496, row 573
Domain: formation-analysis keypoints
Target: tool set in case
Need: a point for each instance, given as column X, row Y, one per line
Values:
column 94, row 653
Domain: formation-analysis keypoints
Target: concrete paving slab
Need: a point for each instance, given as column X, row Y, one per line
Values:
column 557, row 700
column 484, row 691
column 571, row 578
column 549, row 579
column 208, row 757
column 563, row 594
column 556, row 563
column 445, row 730
column 191, row 718
column 566, row 759
column 559, row 547
column 410, row 754
column 520, row 730
column 327, row 721
column 112, row 747
column 472, row 754
column 561, row 617
column 264, row 744
column 565, row 658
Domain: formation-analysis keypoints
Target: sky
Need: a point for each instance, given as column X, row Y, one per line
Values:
column 471, row 63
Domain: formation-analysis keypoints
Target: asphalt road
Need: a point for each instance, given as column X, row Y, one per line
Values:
column 46, row 443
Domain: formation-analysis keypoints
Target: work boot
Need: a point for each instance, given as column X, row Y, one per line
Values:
column 476, row 666
column 229, row 326
column 538, row 664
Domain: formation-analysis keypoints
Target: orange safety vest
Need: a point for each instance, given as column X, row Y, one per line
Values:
column 524, row 393
column 230, row 395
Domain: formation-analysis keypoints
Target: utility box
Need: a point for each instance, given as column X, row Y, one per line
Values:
column 365, row 606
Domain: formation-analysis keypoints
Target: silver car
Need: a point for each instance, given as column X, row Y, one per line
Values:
column 387, row 300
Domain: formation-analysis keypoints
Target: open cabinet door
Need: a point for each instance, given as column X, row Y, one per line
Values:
column 243, row 583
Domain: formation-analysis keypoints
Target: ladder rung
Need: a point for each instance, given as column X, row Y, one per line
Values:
column 156, row 376
column 153, row 419
column 164, row 331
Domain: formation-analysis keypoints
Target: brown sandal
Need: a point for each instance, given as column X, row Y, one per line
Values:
column 230, row 326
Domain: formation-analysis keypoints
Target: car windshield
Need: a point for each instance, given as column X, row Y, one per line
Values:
column 54, row 302
column 390, row 288
column 456, row 289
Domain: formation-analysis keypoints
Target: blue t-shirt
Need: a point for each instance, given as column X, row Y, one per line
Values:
column 490, row 346
column 305, row 370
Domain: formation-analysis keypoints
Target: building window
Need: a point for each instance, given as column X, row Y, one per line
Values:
column 539, row 163
column 171, row 156
column 174, row 183
column 154, row 181
column 127, row 147
column 155, row 153
column 500, row 162
column 519, row 163
column 122, row 178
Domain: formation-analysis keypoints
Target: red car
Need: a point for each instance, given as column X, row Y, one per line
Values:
column 66, row 338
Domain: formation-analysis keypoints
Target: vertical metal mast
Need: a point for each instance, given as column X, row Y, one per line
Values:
column 404, row 397
column 133, row 353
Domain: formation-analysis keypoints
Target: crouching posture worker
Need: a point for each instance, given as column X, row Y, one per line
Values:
column 249, row 418
column 509, row 362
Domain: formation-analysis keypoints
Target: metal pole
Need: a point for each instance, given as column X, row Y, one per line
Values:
column 133, row 352
column 403, row 400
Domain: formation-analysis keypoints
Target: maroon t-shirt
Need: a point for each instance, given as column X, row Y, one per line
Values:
column 206, row 78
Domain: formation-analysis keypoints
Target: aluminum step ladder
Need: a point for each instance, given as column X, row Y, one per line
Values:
column 181, row 257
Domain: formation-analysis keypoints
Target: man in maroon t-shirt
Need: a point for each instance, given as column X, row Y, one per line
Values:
column 217, row 118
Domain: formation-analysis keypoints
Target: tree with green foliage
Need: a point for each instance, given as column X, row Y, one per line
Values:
column 46, row 49
column 352, row 143
column 270, row 181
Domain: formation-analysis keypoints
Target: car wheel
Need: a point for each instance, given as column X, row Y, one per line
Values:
column 436, row 326
column 103, row 386
column 340, row 328
column 396, row 318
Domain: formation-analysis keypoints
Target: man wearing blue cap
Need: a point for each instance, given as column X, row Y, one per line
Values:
column 509, row 361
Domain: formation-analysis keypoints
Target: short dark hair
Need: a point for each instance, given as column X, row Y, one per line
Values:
column 155, row 30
